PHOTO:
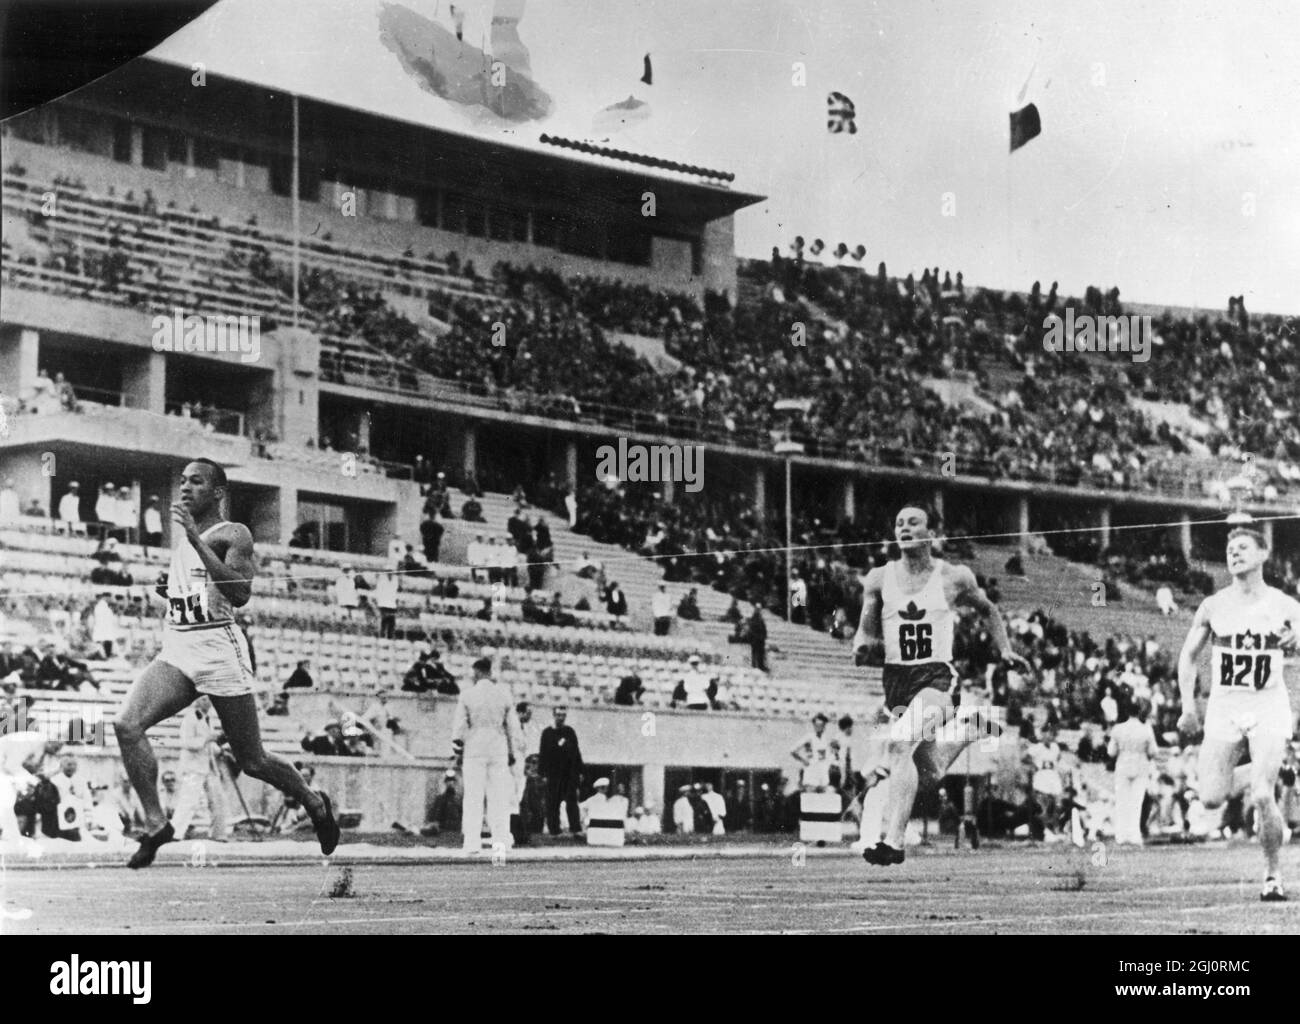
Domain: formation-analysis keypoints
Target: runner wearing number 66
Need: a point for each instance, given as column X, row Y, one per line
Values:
column 1250, row 627
column 908, row 615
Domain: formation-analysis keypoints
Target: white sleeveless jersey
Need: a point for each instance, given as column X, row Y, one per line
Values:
column 193, row 601
column 918, row 627
column 1245, row 651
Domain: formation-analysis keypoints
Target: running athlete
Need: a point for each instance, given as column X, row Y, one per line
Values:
column 909, row 612
column 1250, row 626
column 204, row 652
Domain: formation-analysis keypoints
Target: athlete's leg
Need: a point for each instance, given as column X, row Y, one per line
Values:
column 239, row 722
column 160, row 692
column 474, row 773
column 500, row 785
column 1266, row 754
column 917, row 727
column 1214, row 770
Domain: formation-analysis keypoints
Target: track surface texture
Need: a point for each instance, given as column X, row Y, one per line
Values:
column 1053, row 890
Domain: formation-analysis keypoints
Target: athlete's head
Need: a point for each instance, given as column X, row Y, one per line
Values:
column 203, row 485
column 1247, row 551
column 916, row 525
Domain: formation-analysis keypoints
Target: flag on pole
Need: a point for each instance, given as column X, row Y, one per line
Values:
column 840, row 113
column 647, row 76
column 1025, row 125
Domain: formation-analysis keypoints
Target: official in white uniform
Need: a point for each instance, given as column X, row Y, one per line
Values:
column 486, row 738
column 1132, row 745
column 597, row 806
column 201, row 777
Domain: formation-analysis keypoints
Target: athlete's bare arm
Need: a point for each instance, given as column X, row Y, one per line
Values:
column 869, row 641
column 1288, row 638
column 1189, row 721
column 971, row 594
column 229, row 559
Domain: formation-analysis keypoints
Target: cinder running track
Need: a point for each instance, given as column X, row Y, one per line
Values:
column 1010, row 890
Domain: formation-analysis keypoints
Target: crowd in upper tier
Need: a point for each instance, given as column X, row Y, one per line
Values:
column 864, row 348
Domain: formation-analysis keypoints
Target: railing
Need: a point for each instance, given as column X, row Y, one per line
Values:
column 100, row 396
column 223, row 421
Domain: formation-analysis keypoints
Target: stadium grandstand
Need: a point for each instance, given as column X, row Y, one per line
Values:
column 446, row 332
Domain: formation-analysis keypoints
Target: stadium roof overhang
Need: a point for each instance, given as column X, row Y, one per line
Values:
column 239, row 111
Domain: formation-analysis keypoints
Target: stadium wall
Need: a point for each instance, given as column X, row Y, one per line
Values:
column 633, row 737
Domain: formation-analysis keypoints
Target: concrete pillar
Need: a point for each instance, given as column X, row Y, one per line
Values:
column 1103, row 526
column 137, row 145
column 19, row 352
column 1185, row 534
column 24, row 467
column 1266, row 528
column 362, row 428
column 288, row 513
column 652, row 784
column 668, row 488
column 937, row 500
column 571, row 463
column 760, row 491
column 849, row 500
column 469, row 450
column 144, row 382
column 1022, row 520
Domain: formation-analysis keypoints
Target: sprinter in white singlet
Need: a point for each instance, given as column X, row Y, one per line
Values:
column 211, row 574
column 908, row 616
column 1251, row 627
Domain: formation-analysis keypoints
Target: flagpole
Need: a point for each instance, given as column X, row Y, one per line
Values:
column 297, row 232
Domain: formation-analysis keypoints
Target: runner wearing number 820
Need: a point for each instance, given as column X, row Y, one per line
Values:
column 1250, row 627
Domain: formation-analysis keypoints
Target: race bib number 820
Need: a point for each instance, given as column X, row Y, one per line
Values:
column 1237, row 668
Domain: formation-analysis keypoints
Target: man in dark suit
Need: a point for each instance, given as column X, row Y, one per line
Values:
column 740, row 813
column 431, row 532
column 561, row 765
column 758, row 640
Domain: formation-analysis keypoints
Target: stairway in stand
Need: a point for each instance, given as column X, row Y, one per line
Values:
column 796, row 655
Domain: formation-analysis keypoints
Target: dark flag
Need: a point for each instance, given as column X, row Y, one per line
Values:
column 840, row 113
column 648, row 75
column 1025, row 125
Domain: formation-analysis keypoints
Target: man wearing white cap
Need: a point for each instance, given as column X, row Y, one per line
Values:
column 684, row 812
column 717, row 806
column 596, row 807
column 486, row 739
column 696, row 690
column 106, row 509
column 70, row 509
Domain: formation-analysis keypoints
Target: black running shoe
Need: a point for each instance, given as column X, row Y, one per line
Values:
column 882, row 855
column 149, row 846
column 1273, row 891
column 327, row 831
